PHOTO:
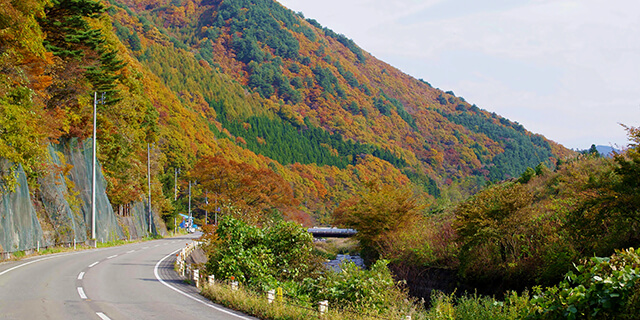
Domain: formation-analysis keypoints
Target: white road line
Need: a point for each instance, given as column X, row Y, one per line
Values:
column 93, row 264
column 157, row 245
column 81, row 293
column 45, row 258
column 102, row 316
column 113, row 256
column 145, row 247
column 131, row 251
column 81, row 275
column 210, row 305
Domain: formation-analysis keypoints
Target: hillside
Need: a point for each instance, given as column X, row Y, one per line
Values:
column 247, row 81
column 312, row 78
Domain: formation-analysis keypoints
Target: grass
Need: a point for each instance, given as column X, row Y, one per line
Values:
column 256, row 304
column 476, row 307
column 444, row 307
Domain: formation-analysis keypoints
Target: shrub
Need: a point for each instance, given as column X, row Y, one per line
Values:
column 601, row 288
column 471, row 307
column 358, row 289
column 260, row 257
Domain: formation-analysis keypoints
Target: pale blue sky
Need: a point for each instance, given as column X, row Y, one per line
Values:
column 568, row 69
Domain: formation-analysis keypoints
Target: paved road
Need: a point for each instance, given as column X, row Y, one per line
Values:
column 135, row 281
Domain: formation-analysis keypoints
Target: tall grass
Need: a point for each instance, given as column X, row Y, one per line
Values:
column 256, row 304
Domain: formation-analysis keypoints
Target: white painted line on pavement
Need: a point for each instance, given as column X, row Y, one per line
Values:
column 45, row 258
column 81, row 293
column 24, row 264
column 51, row 257
column 210, row 305
column 131, row 251
column 93, row 264
column 81, row 275
column 113, row 256
column 157, row 245
column 102, row 316
column 145, row 247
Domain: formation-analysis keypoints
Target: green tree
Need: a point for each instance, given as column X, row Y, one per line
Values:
column 527, row 175
column 260, row 257
column 610, row 217
column 375, row 213
column 69, row 35
column 490, row 226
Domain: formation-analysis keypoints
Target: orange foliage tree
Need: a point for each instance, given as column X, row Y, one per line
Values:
column 376, row 213
column 256, row 192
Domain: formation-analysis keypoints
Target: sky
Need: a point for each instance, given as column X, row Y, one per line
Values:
column 567, row 69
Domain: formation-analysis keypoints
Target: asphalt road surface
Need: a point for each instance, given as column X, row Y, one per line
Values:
column 134, row 281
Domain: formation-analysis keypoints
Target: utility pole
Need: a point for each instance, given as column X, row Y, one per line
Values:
column 175, row 184
column 190, row 217
column 93, row 166
column 149, row 182
column 206, row 212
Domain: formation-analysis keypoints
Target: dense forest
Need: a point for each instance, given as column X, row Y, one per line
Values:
column 249, row 81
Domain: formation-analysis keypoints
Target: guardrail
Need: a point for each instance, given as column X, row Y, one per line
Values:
column 6, row 255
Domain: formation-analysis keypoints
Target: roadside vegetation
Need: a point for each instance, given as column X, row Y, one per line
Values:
column 552, row 244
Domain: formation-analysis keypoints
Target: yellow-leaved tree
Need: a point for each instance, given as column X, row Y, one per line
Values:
column 377, row 212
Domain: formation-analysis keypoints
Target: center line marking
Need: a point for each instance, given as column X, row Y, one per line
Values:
column 81, row 293
column 81, row 275
column 102, row 316
column 113, row 256
column 93, row 264
column 131, row 251
column 145, row 247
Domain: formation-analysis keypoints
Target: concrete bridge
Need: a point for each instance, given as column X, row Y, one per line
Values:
column 331, row 232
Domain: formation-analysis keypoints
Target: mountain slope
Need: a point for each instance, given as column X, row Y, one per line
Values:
column 297, row 69
column 253, row 82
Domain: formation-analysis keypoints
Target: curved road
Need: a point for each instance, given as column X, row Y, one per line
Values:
column 134, row 281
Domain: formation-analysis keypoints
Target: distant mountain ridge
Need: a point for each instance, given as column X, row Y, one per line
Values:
column 607, row 151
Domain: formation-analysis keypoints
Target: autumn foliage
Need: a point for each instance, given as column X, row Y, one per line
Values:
column 300, row 116
column 377, row 213
column 254, row 191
